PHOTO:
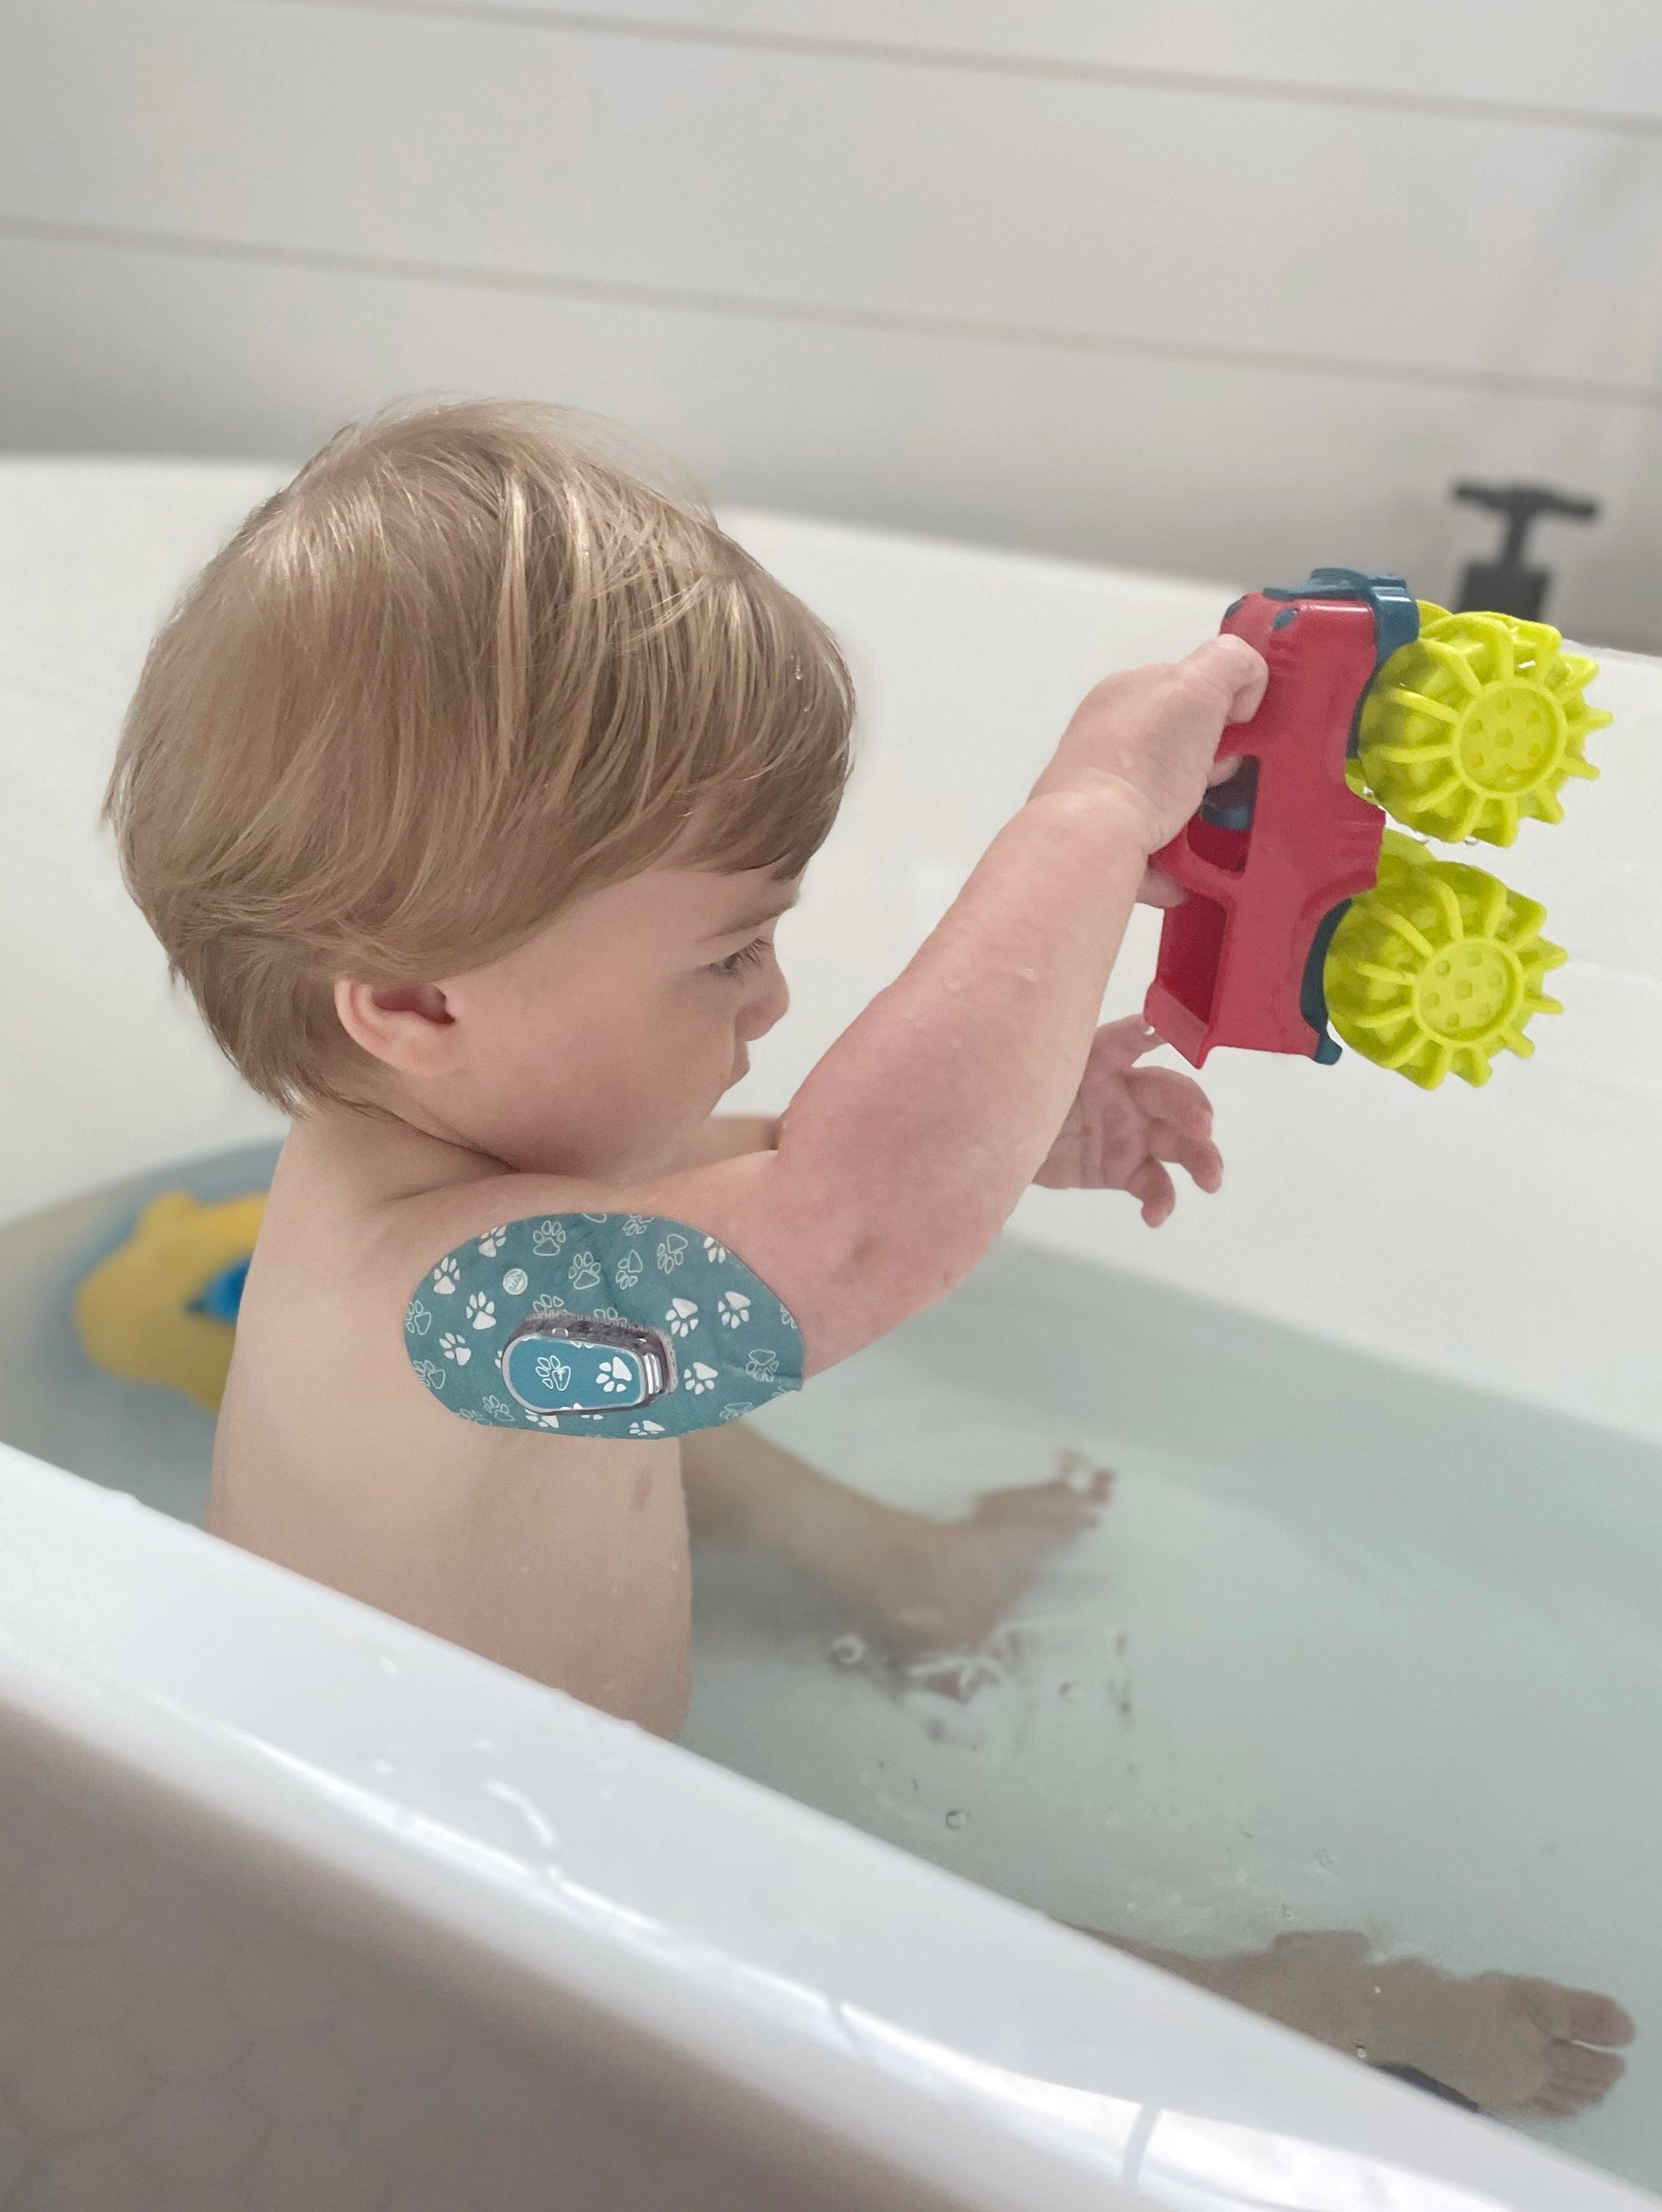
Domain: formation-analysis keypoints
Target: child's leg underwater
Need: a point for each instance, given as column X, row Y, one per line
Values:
column 915, row 1584
column 1502, row 2043
column 1499, row 2042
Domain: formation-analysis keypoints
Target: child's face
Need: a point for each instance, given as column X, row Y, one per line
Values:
column 602, row 1043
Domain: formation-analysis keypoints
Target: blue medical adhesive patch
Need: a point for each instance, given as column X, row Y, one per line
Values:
column 599, row 1325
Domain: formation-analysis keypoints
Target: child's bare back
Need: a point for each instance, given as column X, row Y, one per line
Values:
column 564, row 1559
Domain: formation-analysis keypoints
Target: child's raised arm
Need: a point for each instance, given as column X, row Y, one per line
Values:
column 909, row 1144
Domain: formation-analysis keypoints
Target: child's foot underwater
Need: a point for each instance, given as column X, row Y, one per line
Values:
column 1504, row 2042
column 943, row 1588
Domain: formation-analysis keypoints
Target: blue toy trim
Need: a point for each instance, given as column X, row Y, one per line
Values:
column 221, row 1296
column 1395, row 610
column 1312, row 990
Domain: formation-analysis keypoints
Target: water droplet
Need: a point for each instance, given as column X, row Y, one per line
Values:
column 1070, row 1690
column 381, row 1766
column 954, row 1820
column 1361, row 2052
column 849, row 1650
column 1325, row 1861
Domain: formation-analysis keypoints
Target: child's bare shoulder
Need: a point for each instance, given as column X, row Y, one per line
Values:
column 354, row 1233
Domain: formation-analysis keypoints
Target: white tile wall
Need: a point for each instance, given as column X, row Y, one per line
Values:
column 1193, row 285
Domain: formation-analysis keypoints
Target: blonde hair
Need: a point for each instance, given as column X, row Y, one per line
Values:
column 462, row 669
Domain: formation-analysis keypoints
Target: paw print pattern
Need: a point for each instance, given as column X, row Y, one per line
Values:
column 466, row 1413
column 493, row 1278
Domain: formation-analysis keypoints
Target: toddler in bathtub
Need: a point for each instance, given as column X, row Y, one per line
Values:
column 465, row 789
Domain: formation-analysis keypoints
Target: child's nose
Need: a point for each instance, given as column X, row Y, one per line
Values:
column 767, row 1006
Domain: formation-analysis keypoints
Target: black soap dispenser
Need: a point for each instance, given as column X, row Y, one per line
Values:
column 1507, row 585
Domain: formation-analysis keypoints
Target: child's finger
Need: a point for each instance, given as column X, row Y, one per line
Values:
column 1156, row 1190
column 1198, row 1157
column 1158, row 888
column 1118, row 1045
column 1161, row 1094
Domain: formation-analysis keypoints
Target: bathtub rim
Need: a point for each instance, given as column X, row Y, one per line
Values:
column 114, row 1626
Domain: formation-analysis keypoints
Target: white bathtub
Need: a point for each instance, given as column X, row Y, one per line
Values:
column 301, row 1910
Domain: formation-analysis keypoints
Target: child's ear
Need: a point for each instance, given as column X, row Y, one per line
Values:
column 408, row 1027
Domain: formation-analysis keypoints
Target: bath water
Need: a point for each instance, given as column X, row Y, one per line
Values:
column 1349, row 1648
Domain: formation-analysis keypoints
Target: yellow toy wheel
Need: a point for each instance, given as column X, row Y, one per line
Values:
column 1477, row 725
column 1437, row 968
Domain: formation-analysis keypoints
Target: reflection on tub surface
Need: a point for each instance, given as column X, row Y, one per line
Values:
column 1351, row 1648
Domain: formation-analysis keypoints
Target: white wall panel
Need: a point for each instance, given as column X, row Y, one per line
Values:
column 1602, row 60
column 1104, row 211
column 1247, row 474
column 1194, row 284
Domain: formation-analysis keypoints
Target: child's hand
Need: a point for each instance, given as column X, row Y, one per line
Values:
column 1127, row 1121
column 1152, row 734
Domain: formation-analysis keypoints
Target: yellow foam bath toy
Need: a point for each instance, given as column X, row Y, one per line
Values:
column 162, row 1308
column 1438, row 968
column 1476, row 726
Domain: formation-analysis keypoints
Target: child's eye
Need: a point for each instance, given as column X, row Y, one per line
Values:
column 747, row 956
